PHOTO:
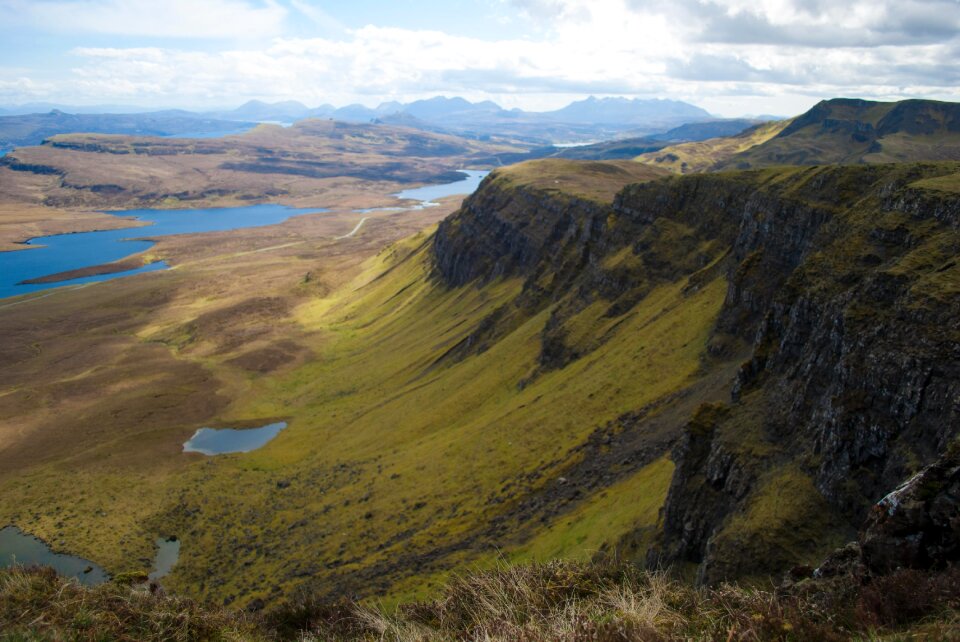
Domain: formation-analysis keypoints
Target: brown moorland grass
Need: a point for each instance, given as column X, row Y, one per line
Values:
column 594, row 180
column 84, row 399
column 36, row 604
column 391, row 470
column 558, row 601
column 56, row 187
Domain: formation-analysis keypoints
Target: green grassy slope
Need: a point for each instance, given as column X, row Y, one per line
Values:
column 859, row 131
column 843, row 131
column 394, row 457
column 507, row 386
column 701, row 156
column 405, row 459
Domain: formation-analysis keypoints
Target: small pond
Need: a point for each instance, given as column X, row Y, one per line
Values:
column 168, row 552
column 16, row 547
column 221, row 441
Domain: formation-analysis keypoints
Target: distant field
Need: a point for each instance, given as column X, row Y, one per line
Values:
column 57, row 187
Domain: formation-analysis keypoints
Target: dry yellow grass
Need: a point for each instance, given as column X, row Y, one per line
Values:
column 593, row 180
column 702, row 156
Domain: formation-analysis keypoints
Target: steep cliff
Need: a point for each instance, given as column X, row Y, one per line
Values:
column 848, row 284
column 841, row 311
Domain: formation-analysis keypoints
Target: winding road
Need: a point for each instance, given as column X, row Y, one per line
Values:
column 353, row 231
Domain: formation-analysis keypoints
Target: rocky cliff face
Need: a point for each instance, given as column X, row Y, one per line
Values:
column 849, row 286
column 570, row 252
column 844, row 295
column 918, row 524
column 505, row 232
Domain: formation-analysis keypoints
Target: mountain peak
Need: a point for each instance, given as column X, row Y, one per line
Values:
column 639, row 111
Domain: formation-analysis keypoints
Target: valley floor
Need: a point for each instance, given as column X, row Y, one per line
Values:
column 95, row 402
column 401, row 461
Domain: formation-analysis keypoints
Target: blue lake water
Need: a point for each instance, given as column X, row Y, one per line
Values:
column 213, row 134
column 430, row 192
column 221, row 441
column 16, row 547
column 65, row 252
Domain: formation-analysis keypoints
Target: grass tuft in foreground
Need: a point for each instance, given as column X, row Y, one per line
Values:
column 36, row 604
column 613, row 602
column 556, row 601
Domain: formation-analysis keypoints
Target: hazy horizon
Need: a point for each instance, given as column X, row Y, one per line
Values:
column 731, row 57
column 94, row 108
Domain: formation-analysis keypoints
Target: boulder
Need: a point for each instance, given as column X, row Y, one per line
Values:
column 918, row 524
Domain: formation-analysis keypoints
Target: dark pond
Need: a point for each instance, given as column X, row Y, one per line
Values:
column 213, row 441
column 16, row 547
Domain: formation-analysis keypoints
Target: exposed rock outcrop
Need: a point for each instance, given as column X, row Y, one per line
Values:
column 844, row 289
column 918, row 524
column 855, row 371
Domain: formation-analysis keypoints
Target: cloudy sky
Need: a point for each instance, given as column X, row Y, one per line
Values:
column 732, row 57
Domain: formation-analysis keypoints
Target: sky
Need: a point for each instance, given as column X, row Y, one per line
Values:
column 731, row 57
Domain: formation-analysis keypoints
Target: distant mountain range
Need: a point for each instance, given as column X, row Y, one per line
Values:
column 587, row 120
column 33, row 129
column 583, row 120
column 618, row 112
column 42, row 108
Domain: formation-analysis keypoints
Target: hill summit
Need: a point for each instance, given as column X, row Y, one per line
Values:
column 841, row 131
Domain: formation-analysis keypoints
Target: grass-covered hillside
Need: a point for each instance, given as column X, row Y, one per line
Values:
column 702, row 156
column 404, row 457
column 563, row 369
column 838, row 131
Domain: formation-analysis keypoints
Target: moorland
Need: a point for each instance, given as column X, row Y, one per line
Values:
column 721, row 373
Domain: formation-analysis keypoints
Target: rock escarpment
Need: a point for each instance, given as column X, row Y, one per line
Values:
column 506, row 232
column 843, row 300
column 854, row 377
column 918, row 524
column 572, row 251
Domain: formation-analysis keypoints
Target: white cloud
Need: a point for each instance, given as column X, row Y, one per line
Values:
column 650, row 48
column 153, row 18
column 317, row 16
